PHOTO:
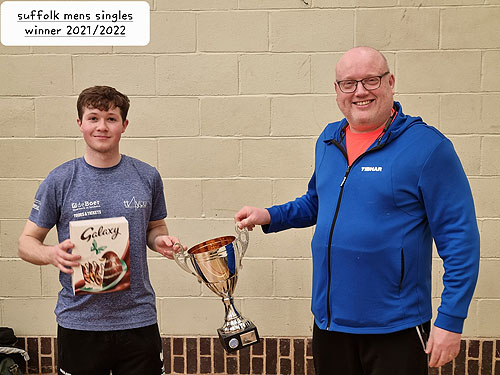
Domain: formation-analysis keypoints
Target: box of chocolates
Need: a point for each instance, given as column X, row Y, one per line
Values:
column 103, row 245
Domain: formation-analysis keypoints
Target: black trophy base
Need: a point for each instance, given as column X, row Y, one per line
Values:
column 233, row 341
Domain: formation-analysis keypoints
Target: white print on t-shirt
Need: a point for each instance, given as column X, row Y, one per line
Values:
column 77, row 206
column 134, row 203
column 36, row 205
column 86, row 208
column 87, row 213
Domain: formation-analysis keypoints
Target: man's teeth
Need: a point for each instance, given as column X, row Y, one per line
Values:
column 363, row 103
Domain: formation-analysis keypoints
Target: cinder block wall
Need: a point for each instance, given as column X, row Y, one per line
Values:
column 227, row 101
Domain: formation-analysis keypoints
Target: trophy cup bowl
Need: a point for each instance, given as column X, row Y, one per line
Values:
column 216, row 263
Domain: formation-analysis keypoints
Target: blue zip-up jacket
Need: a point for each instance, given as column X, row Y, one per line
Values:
column 375, row 222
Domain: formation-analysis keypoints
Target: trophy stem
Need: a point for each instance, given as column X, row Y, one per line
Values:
column 233, row 320
column 237, row 332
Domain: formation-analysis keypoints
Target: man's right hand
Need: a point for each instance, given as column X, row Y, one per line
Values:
column 60, row 257
column 248, row 217
column 32, row 249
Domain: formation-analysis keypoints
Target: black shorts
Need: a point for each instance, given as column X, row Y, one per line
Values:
column 397, row 353
column 125, row 352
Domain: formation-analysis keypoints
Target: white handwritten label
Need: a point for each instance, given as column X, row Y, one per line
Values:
column 75, row 23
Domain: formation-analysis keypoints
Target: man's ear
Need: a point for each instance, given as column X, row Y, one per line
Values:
column 336, row 87
column 125, row 124
column 79, row 122
column 392, row 82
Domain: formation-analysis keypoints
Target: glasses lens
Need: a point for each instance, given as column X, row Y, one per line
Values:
column 371, row 83
column 348, row 86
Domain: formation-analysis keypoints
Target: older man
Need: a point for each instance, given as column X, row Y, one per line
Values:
column 385, row 185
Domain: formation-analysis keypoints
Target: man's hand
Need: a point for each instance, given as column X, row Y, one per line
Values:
column 167, row 246
column 249, row 217
column 31, row 249
column 60, row 257
column 443, row 346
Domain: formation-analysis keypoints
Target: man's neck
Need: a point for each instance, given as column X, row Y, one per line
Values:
column 102, row 160
column 372, row 127
column 364, row 128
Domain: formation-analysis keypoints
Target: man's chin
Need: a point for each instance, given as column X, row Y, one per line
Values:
column 359, row 126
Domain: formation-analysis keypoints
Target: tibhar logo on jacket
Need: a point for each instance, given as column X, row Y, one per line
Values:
column 371, row 169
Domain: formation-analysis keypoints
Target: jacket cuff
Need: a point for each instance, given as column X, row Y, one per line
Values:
column 275, row 214
column 449, row 323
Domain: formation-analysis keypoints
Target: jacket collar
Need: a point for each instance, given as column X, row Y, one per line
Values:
column 336, row 131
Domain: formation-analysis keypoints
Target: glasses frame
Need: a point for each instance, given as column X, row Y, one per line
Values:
column 361, row 80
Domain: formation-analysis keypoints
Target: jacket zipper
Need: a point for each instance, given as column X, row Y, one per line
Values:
column 330, row 246
column 337, row 209
column 402, row 269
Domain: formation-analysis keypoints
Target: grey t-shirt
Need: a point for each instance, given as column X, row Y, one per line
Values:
column 78, row 191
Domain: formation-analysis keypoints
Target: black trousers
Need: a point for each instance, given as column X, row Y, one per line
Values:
column 397, row 353
column 125, row 352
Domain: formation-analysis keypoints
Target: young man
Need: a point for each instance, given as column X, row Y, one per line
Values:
column 102, row 332
column 385, row 185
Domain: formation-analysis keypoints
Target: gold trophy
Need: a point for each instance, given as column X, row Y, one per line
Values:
column 216, row 263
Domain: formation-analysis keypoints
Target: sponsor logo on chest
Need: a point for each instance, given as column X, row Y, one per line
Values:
column 135, row 203
column 371, row 169
column 86, row 208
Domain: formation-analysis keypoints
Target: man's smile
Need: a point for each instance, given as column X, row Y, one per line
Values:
column 363, row 103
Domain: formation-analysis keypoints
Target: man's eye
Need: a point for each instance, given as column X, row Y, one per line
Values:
column 349, row 83
column 371, row 80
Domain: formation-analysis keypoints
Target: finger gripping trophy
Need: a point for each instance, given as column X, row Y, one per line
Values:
column 216, row 263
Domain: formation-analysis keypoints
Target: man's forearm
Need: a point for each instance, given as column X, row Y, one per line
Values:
column 32, row 250
column 155, row 229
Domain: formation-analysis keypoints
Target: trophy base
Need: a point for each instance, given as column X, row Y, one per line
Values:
column 233, row 341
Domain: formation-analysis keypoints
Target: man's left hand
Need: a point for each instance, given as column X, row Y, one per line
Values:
column 443, row 346
column 167, row 245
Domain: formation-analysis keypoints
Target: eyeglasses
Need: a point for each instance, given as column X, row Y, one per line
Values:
column 348, row 86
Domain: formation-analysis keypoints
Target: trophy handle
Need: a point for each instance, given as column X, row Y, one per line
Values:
column 242, row 241
column 181, row 259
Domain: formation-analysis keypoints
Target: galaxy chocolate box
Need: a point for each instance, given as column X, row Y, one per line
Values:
column 103, row 245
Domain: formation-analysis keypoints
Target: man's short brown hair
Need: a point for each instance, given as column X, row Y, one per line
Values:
column 102, row 98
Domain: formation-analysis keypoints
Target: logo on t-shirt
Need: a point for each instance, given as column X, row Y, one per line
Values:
column 36, row 205
column 86, row 208
column 134, row 203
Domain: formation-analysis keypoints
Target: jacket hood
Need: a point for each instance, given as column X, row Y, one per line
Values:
column 401, row 123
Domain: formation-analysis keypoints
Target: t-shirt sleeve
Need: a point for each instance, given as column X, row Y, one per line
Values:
column 45, row 209
column 159, row 208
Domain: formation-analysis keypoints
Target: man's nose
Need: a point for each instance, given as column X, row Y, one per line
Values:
column 360, row 89
column 101, row 124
